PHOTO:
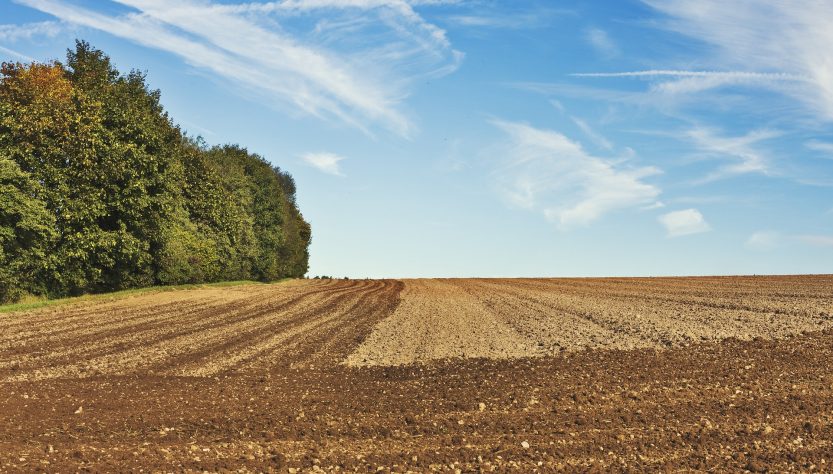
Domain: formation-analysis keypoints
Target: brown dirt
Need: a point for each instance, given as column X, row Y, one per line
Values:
column 253, row 378
column 200, row 332
column 513, row 318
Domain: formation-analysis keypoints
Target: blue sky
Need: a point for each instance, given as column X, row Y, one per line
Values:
column 486, row 138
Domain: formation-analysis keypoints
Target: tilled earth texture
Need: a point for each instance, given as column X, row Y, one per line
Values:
column 524, row 375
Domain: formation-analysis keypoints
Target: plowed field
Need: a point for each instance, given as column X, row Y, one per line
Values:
column 729, row 373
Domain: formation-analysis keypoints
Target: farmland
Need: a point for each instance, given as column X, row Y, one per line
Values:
column 492, row 374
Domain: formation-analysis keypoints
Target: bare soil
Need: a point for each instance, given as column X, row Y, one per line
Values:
column 510, row 318
column 591, row 375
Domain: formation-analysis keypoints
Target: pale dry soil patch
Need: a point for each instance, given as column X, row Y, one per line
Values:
column 510, row 318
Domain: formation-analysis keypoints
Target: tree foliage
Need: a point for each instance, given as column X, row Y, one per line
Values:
column 100, row 191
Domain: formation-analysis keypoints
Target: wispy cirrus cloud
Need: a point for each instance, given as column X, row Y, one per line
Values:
column 742, row 152
column 765, row 241
column 685, row 222
column 27, row 31
column 16, row 54
column 758, row 39
column 546, row 171
column 324, row 162
column 12, row 33
column 825, row 148
column 403, row 12
column 597, row 137
column 742, row 48
column 654, row 73
column 478, row 15
column 327, row 71
column 601, row 42
column 816, row 240
column 670, row 82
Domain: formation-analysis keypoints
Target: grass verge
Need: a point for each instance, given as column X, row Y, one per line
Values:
column 42, row 303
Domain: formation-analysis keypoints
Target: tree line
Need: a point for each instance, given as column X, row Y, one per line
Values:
column 101, row 191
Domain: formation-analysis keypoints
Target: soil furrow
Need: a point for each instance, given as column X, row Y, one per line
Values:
column 715, row 374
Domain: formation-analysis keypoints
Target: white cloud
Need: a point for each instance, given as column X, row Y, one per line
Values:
column 651, row 207
column 768, row 37
column 27, row 31
column 558, row 105
column 331, row 71
column 816, row 240
column 597, row 138
column 16, row 54
column 481, row 16
column 746, row 158
column 724, row 75
column 823, row 147
column 764, row 241
column 497, row 21
column 403, row 10
column 11, row 33
column 546, row 171
column 670, row 83
column 685, row 222
column 601, row 41
column 324, row 162
column 770, row 240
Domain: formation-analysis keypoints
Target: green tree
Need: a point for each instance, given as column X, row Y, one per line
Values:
column 119, row 197
column 26, row 234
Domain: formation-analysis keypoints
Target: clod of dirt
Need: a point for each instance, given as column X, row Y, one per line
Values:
column 756, row 466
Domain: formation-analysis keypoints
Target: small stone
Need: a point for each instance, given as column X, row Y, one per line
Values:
column 755, row 466
column 525, row 445
column 481, row 406
column 79, row 410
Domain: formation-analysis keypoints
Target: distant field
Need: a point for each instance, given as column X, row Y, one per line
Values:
column 538, row 317
column 436, row 374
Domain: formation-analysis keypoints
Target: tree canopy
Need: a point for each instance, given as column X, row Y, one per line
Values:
column 101, row 191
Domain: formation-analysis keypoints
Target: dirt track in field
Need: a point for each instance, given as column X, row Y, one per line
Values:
column 507, row 375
